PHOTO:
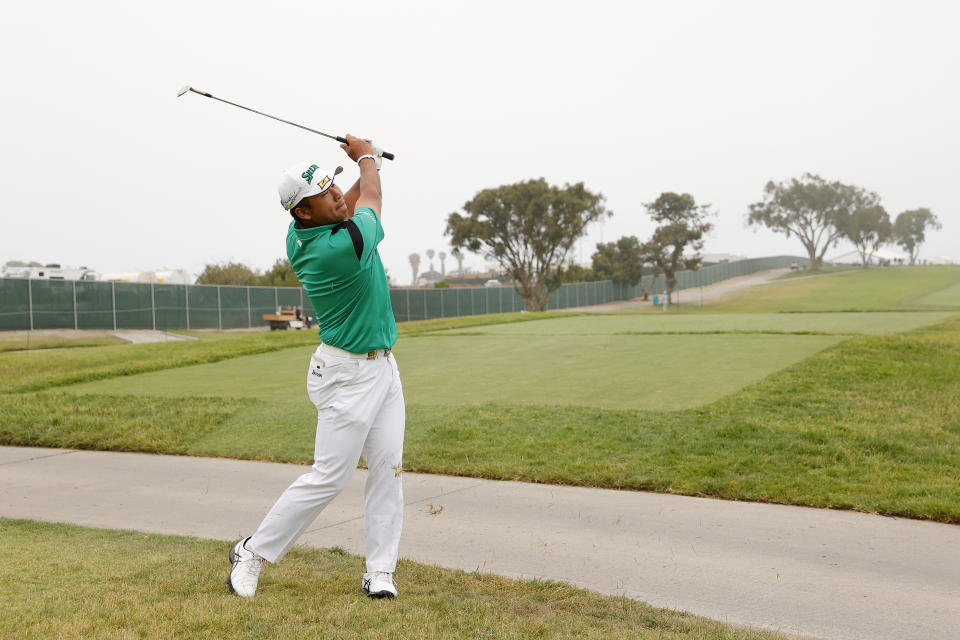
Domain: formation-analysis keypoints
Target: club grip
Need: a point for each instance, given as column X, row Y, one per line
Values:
column 385, row 154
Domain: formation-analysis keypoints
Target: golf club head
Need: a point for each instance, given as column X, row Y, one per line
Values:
column 184, row 90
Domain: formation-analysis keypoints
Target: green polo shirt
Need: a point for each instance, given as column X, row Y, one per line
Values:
column 340, row 269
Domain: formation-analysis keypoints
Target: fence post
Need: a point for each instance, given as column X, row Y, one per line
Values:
column 153, row 308
column 75, row 327
column 219, row 310
column 424, row 304
column 186, row 302
column 30, row 301
column 442, row 295
column 458, row 301
column 408, row 305
column 249, row 317
column 276, row 300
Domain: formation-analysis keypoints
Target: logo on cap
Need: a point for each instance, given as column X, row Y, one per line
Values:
column 308, row 174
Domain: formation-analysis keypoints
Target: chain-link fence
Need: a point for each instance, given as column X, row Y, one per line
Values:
column 80, row 304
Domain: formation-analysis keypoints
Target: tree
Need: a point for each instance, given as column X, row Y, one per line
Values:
column 811, row 209
column 279, row 275
column 458, row 256
column 867, row 228
column 430, row 254
column 443, row 266
column 620, row 261
column 575, row 273
column 414, row 259
column 529, row 228
column 682, row 227
column 910, row 227
column 227, row 273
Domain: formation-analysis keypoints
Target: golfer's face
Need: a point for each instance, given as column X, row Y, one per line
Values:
column 327, row 207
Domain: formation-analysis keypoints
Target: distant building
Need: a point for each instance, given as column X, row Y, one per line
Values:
column 48, row 272
column 161, row 276
column 720, row 258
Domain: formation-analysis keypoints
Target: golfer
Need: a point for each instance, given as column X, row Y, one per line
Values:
column 352, row 379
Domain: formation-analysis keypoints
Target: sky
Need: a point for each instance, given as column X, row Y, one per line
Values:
column 104, row 166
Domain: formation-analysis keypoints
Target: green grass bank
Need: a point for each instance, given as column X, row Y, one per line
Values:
column 74, row 582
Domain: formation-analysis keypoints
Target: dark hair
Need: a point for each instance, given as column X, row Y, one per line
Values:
column 293, row 211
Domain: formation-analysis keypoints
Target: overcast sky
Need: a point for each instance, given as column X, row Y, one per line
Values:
column 104, row 166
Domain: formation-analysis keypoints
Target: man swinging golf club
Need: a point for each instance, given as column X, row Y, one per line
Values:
column 353, row 378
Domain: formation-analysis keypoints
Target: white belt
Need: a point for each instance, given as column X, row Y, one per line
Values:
column 369, row 355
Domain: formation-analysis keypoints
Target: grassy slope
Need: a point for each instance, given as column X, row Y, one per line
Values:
column 888, row 289
column 113, row 584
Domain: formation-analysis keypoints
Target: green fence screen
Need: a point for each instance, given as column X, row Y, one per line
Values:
column 69, row 304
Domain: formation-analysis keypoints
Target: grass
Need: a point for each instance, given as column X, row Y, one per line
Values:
column 609, row 371
column 867, row 422
column 23, row 341
column 876, row 289
column 667, row 323
column 21, row 372
column 73, row 582
column 871, row 424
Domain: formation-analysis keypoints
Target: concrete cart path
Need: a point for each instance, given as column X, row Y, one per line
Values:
column 813, row 572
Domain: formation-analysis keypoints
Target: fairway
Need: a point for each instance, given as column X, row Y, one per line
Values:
column 606, row 371
column 833, row 323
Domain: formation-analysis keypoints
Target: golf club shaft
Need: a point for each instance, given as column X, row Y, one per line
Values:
column 387, row 155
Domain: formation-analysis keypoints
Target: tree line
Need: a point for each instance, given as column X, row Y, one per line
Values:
column 235, row 273
column 530, row 228
column 820, row 213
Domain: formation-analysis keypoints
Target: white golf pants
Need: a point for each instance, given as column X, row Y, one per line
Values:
column 360, row 411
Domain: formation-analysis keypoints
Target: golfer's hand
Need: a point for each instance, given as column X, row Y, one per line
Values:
column 357, row 147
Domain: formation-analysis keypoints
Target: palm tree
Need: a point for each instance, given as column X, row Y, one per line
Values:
column 430, row 254
column 415, row 265
column 443, row 268
column 458, row 256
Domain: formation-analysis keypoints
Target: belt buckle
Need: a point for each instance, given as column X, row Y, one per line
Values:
column 372, row 355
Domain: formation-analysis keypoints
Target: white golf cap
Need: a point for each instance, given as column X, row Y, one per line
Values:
column 303, row 180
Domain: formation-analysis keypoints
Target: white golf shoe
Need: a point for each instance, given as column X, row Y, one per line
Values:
column 245, row 572
column 379, row 584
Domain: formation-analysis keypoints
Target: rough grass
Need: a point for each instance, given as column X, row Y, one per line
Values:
column 20, row 372
column 74, row 582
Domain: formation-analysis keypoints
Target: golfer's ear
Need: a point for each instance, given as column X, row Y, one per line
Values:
column 300, row 213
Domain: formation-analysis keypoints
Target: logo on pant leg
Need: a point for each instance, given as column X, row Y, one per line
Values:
column 316, row 372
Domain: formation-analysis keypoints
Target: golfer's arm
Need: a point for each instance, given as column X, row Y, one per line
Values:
column 369, row 186
column 351, row 196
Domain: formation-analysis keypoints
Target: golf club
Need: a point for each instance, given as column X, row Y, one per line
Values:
column 388, row 156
